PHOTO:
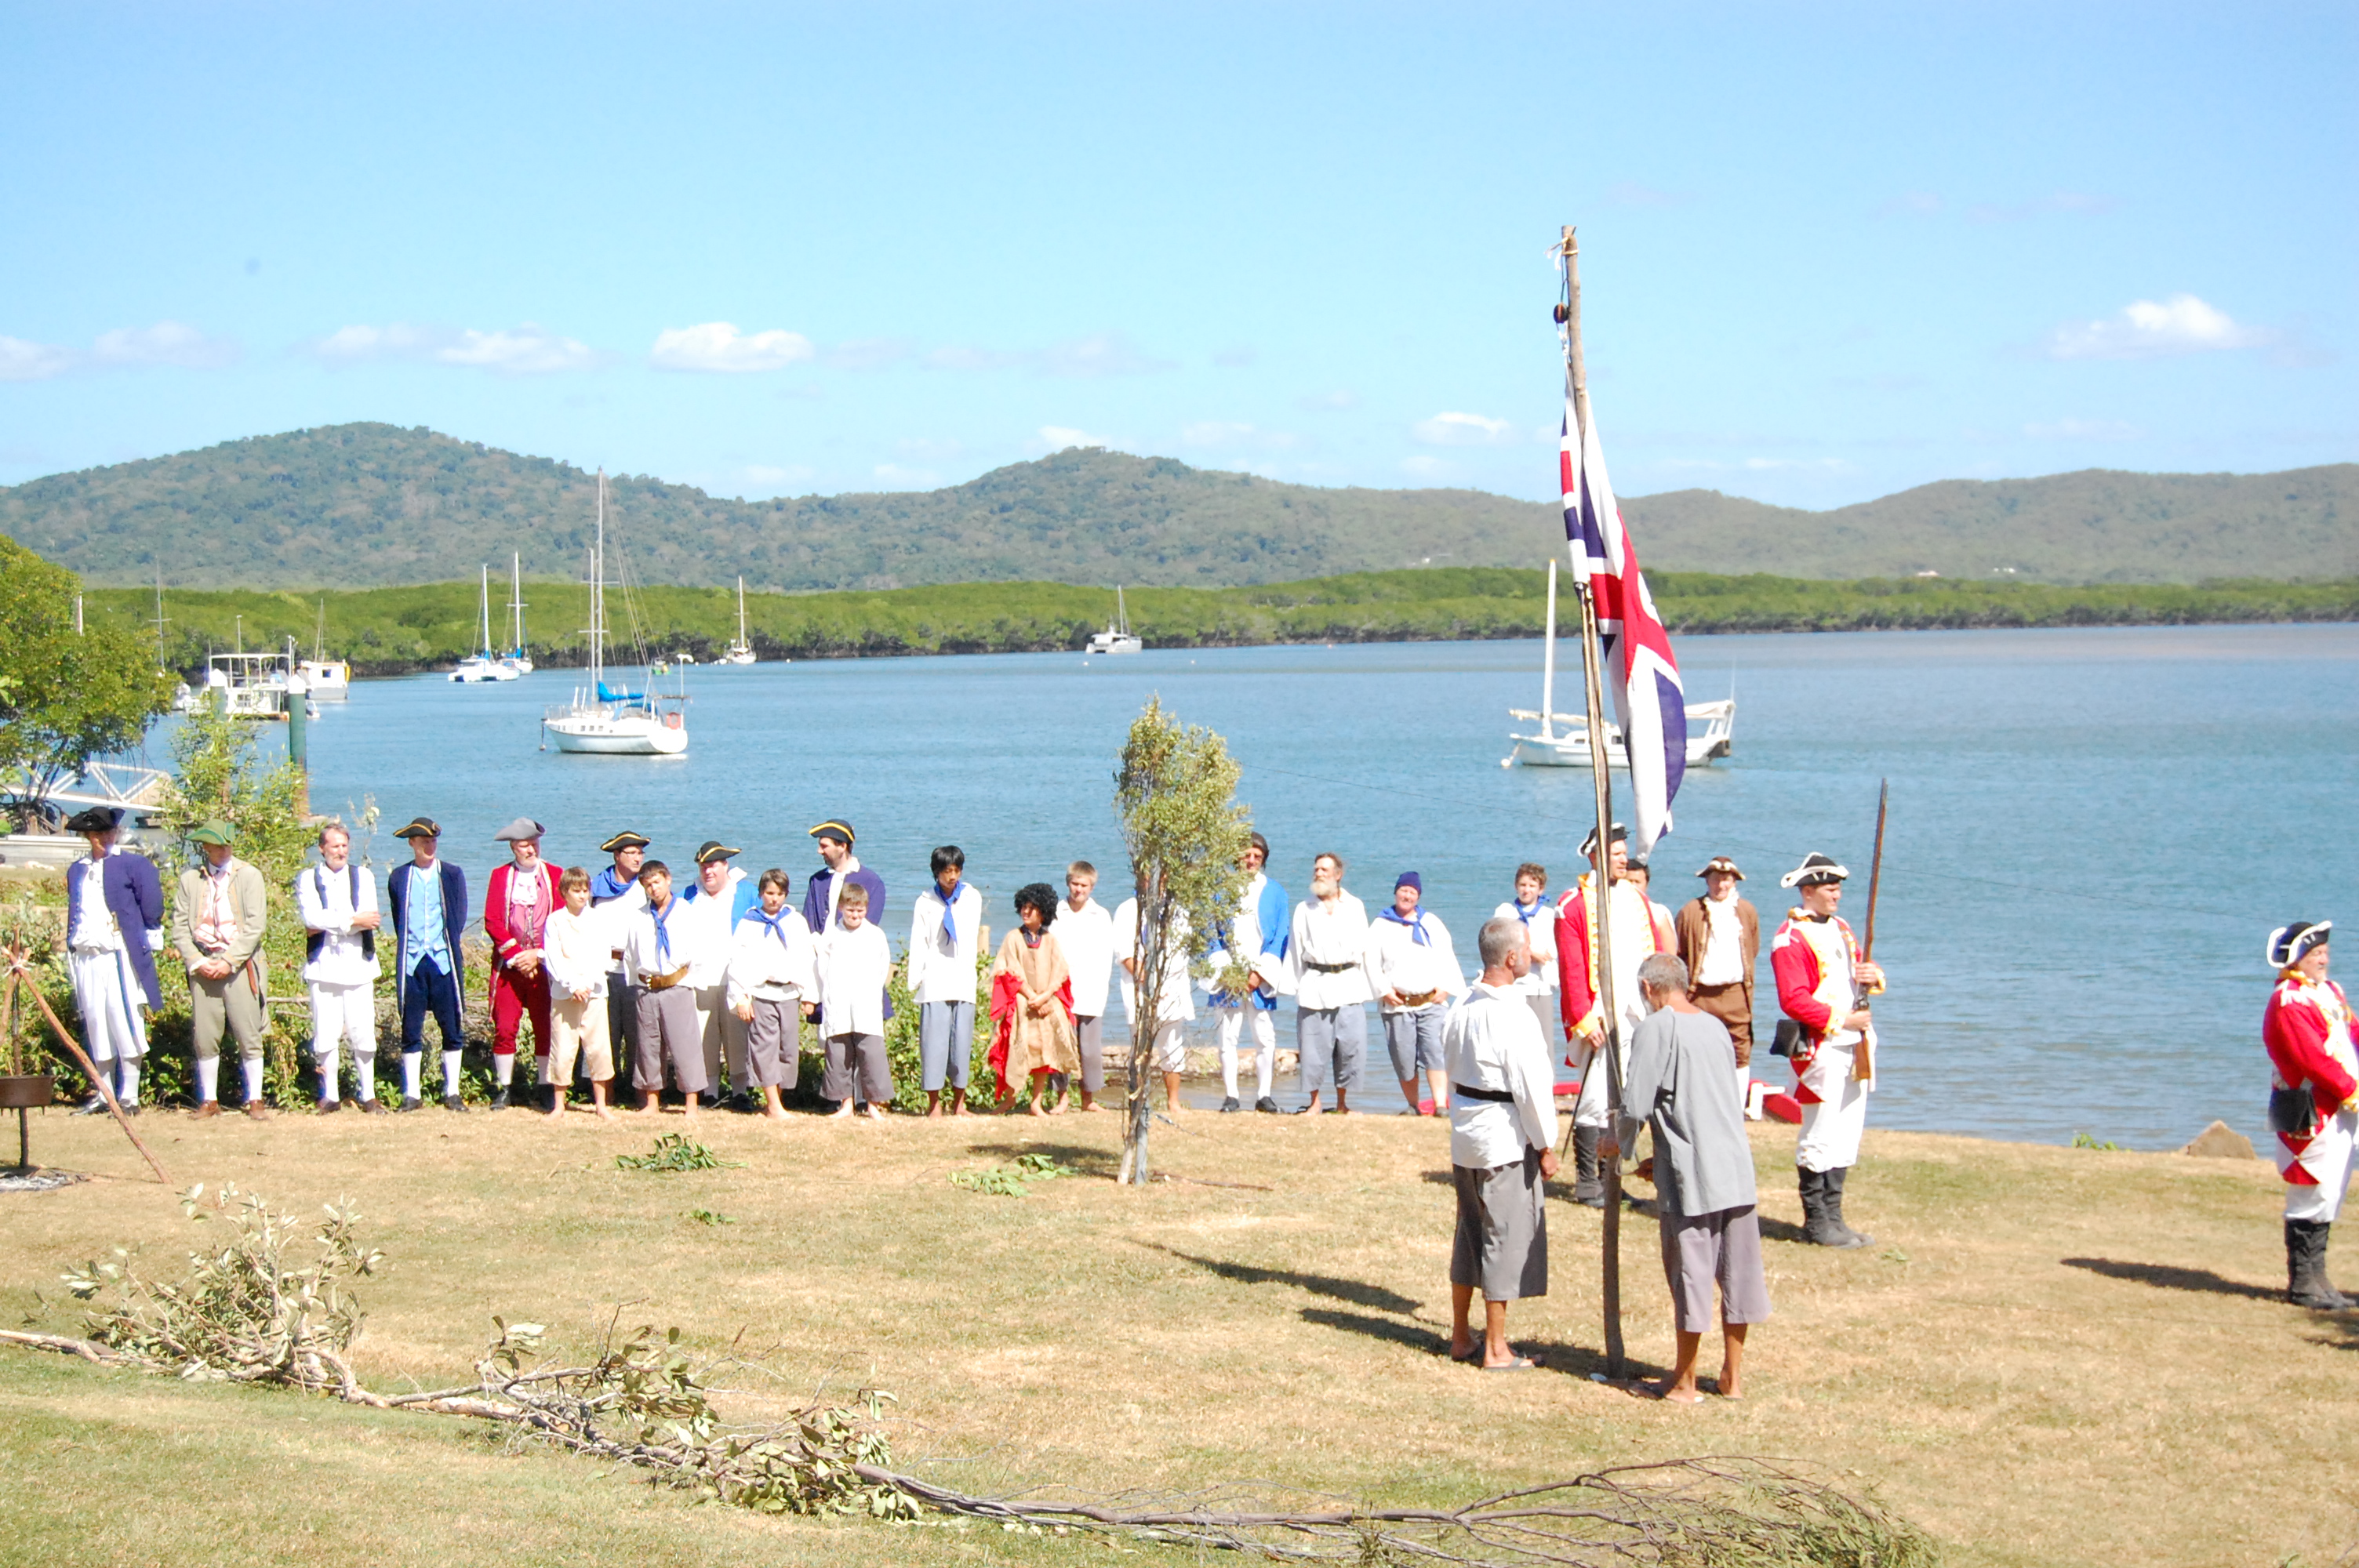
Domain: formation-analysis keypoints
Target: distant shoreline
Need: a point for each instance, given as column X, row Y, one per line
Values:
column 395, row 632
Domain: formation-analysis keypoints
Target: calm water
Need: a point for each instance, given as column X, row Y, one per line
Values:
column 2092, row 830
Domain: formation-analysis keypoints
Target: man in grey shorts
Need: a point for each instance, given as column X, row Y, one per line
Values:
column 1416, row 973
column 1502, row 1148
column 1682, row 1084
column 1330, row 954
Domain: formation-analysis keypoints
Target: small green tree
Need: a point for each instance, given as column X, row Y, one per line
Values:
column 1176, row 793
column 216, row 773
column 65, row 696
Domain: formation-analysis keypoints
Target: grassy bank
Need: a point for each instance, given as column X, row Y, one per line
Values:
column 2050, row 1356
column 396, row 630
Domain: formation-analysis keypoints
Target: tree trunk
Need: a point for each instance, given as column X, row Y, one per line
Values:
column 1138, row 1115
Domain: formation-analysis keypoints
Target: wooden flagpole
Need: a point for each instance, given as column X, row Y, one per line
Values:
column 1600, row 932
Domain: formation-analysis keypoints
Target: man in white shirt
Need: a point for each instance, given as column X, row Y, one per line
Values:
column 1720, row 941
column 1165, row 1041
column 1532, row 909
column 1417, row 973
column 945, row 926
column 1332, row 985
column 1501, row 1149
column 1085, row 931
column 662, row 947
column 719, row 897
column 853, row 962
column 338, row 901
column 1258, row 940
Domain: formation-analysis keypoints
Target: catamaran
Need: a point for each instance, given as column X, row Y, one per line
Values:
column 516, row 658
column 484, row 665
column 1711, row 726
column 605, row 720
column 740, row 652
column 1117, row 638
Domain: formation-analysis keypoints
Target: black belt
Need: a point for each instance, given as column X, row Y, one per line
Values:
column 1328, row 968
column 1496, row 1097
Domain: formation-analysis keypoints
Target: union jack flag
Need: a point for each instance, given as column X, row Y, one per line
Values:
column 1648, row 701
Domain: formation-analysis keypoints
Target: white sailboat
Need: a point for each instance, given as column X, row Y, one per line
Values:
column 330, row 680
column 1117, row 638
column 604, row 720
column 1711, row 726
column 516, row 658
column 740, row 652
column 482, row 664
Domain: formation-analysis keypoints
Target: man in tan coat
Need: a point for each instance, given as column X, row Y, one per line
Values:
column 1719, row 941
column 217, row 925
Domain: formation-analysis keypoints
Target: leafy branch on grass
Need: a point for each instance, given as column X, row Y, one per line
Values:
column 676, row 1151
column 1015, row 1179
column 252, row 1311
column 2087, row 1140
column 709, row 1217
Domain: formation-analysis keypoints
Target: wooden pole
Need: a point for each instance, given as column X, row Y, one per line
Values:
column 19, row 968
column 1576, row 377
column 1862, row 1062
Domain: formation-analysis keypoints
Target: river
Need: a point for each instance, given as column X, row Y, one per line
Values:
column 2092, row 830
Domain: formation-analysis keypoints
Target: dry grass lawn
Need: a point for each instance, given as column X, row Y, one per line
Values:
column 2050, row 1356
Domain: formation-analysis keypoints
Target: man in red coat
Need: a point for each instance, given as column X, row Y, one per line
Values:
column 517, row 904
column 2314, row 1049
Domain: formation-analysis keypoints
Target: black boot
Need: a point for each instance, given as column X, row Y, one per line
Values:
column 1834, row 1193
column 1588, row 1186
column 1818, row 1226
column 2305, row 1281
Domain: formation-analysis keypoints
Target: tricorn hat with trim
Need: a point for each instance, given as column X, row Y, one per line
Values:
column 1618, row 834
column 834, row 828
column 1815, row 870
column 626, row 839
column 419, row 828
column 713, row 849
column 2288, row 944
column 95, row 820
column 1723, row 866
column 523, row 827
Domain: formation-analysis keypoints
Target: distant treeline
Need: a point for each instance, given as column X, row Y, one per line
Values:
column 396, row 631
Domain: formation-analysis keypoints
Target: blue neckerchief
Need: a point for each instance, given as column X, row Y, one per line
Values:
column 775, row 925
column 950, row 912
column 1415, row 924
column 609, row 884
column 663, row 935
column 1528, row 915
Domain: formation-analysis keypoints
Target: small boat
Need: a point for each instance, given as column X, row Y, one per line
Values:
column 516, row 658
column 1711, row 725
column 740, row 652
column 1117, row 638
column 248, row 686
column 604, row 720
column 327, row 679
column 484, row 666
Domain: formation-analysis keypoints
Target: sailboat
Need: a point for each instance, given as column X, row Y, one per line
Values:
column 740, row 652
column 330, row 680
column 1117, row 638
column 1711, row 725
column 605, row 720
column 484, row 665
column 516, row 658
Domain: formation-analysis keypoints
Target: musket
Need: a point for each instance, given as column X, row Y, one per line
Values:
column 1863, row 1060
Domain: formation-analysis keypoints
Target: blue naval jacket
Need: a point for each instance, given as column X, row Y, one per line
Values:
column 134, row 896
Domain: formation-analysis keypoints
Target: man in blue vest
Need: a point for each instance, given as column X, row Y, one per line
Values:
column 839, row 869
column 429, row 911
column 1257, row 942
column 114, row 927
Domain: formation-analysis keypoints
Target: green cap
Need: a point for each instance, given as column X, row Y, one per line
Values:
column 216, row 831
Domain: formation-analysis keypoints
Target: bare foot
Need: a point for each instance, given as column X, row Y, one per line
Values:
column 871, row 1114
column 1728, row 1388
column 1034, row 1109
column 934, row 1113
column 601, row 1113
column 840, row 1112
column 774, row 1113
column 554, row 1113
column 1058, row 1109
column 1669, row 1392
column 1091, row 1105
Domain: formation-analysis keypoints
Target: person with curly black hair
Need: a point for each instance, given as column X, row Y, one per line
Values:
column 1032, row 997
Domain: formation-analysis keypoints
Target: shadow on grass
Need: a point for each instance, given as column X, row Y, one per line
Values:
column 1358, row 1292
column 1566, row 1360
column 2166, row 1277
column 1088, row 1162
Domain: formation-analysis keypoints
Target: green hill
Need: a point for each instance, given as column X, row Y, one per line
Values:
column 374, row 505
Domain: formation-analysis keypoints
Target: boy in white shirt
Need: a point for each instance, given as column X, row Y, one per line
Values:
column 1532, row 910
column 338, row 901
column 1085, row 930
column 1416, row 973
column 855, row 961
column 943, row 931
column 576, row 943
column 663, row 944
column 769, row 976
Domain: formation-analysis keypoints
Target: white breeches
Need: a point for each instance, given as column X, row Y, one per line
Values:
column 2329, row 1159
column 1168, row 1048
column 1830, row 1128
column 1589, row 1110
column 1265, row 1044
column 344, row 1015
column 107, row 993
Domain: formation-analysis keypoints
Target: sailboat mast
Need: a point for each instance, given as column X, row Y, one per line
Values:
column 516, row 596
column 598, row 594
column 1548, row 664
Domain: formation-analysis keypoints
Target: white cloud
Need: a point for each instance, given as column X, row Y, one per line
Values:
column 22, row 360
column 527, row 349
column 896, row 477
column 1463, row 430
column 2084, row 430
column 719, row 347
column 2146, row 330
column 1237, row 435
column 171, row 343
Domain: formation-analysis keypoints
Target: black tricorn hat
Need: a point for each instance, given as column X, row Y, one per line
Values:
column 625, row 840
column 420, row 828
column 95, row 820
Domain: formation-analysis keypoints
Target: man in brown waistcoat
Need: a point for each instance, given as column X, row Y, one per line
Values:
column 1719, row 938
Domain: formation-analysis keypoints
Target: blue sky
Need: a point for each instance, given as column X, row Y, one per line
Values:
column 1829, row 252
